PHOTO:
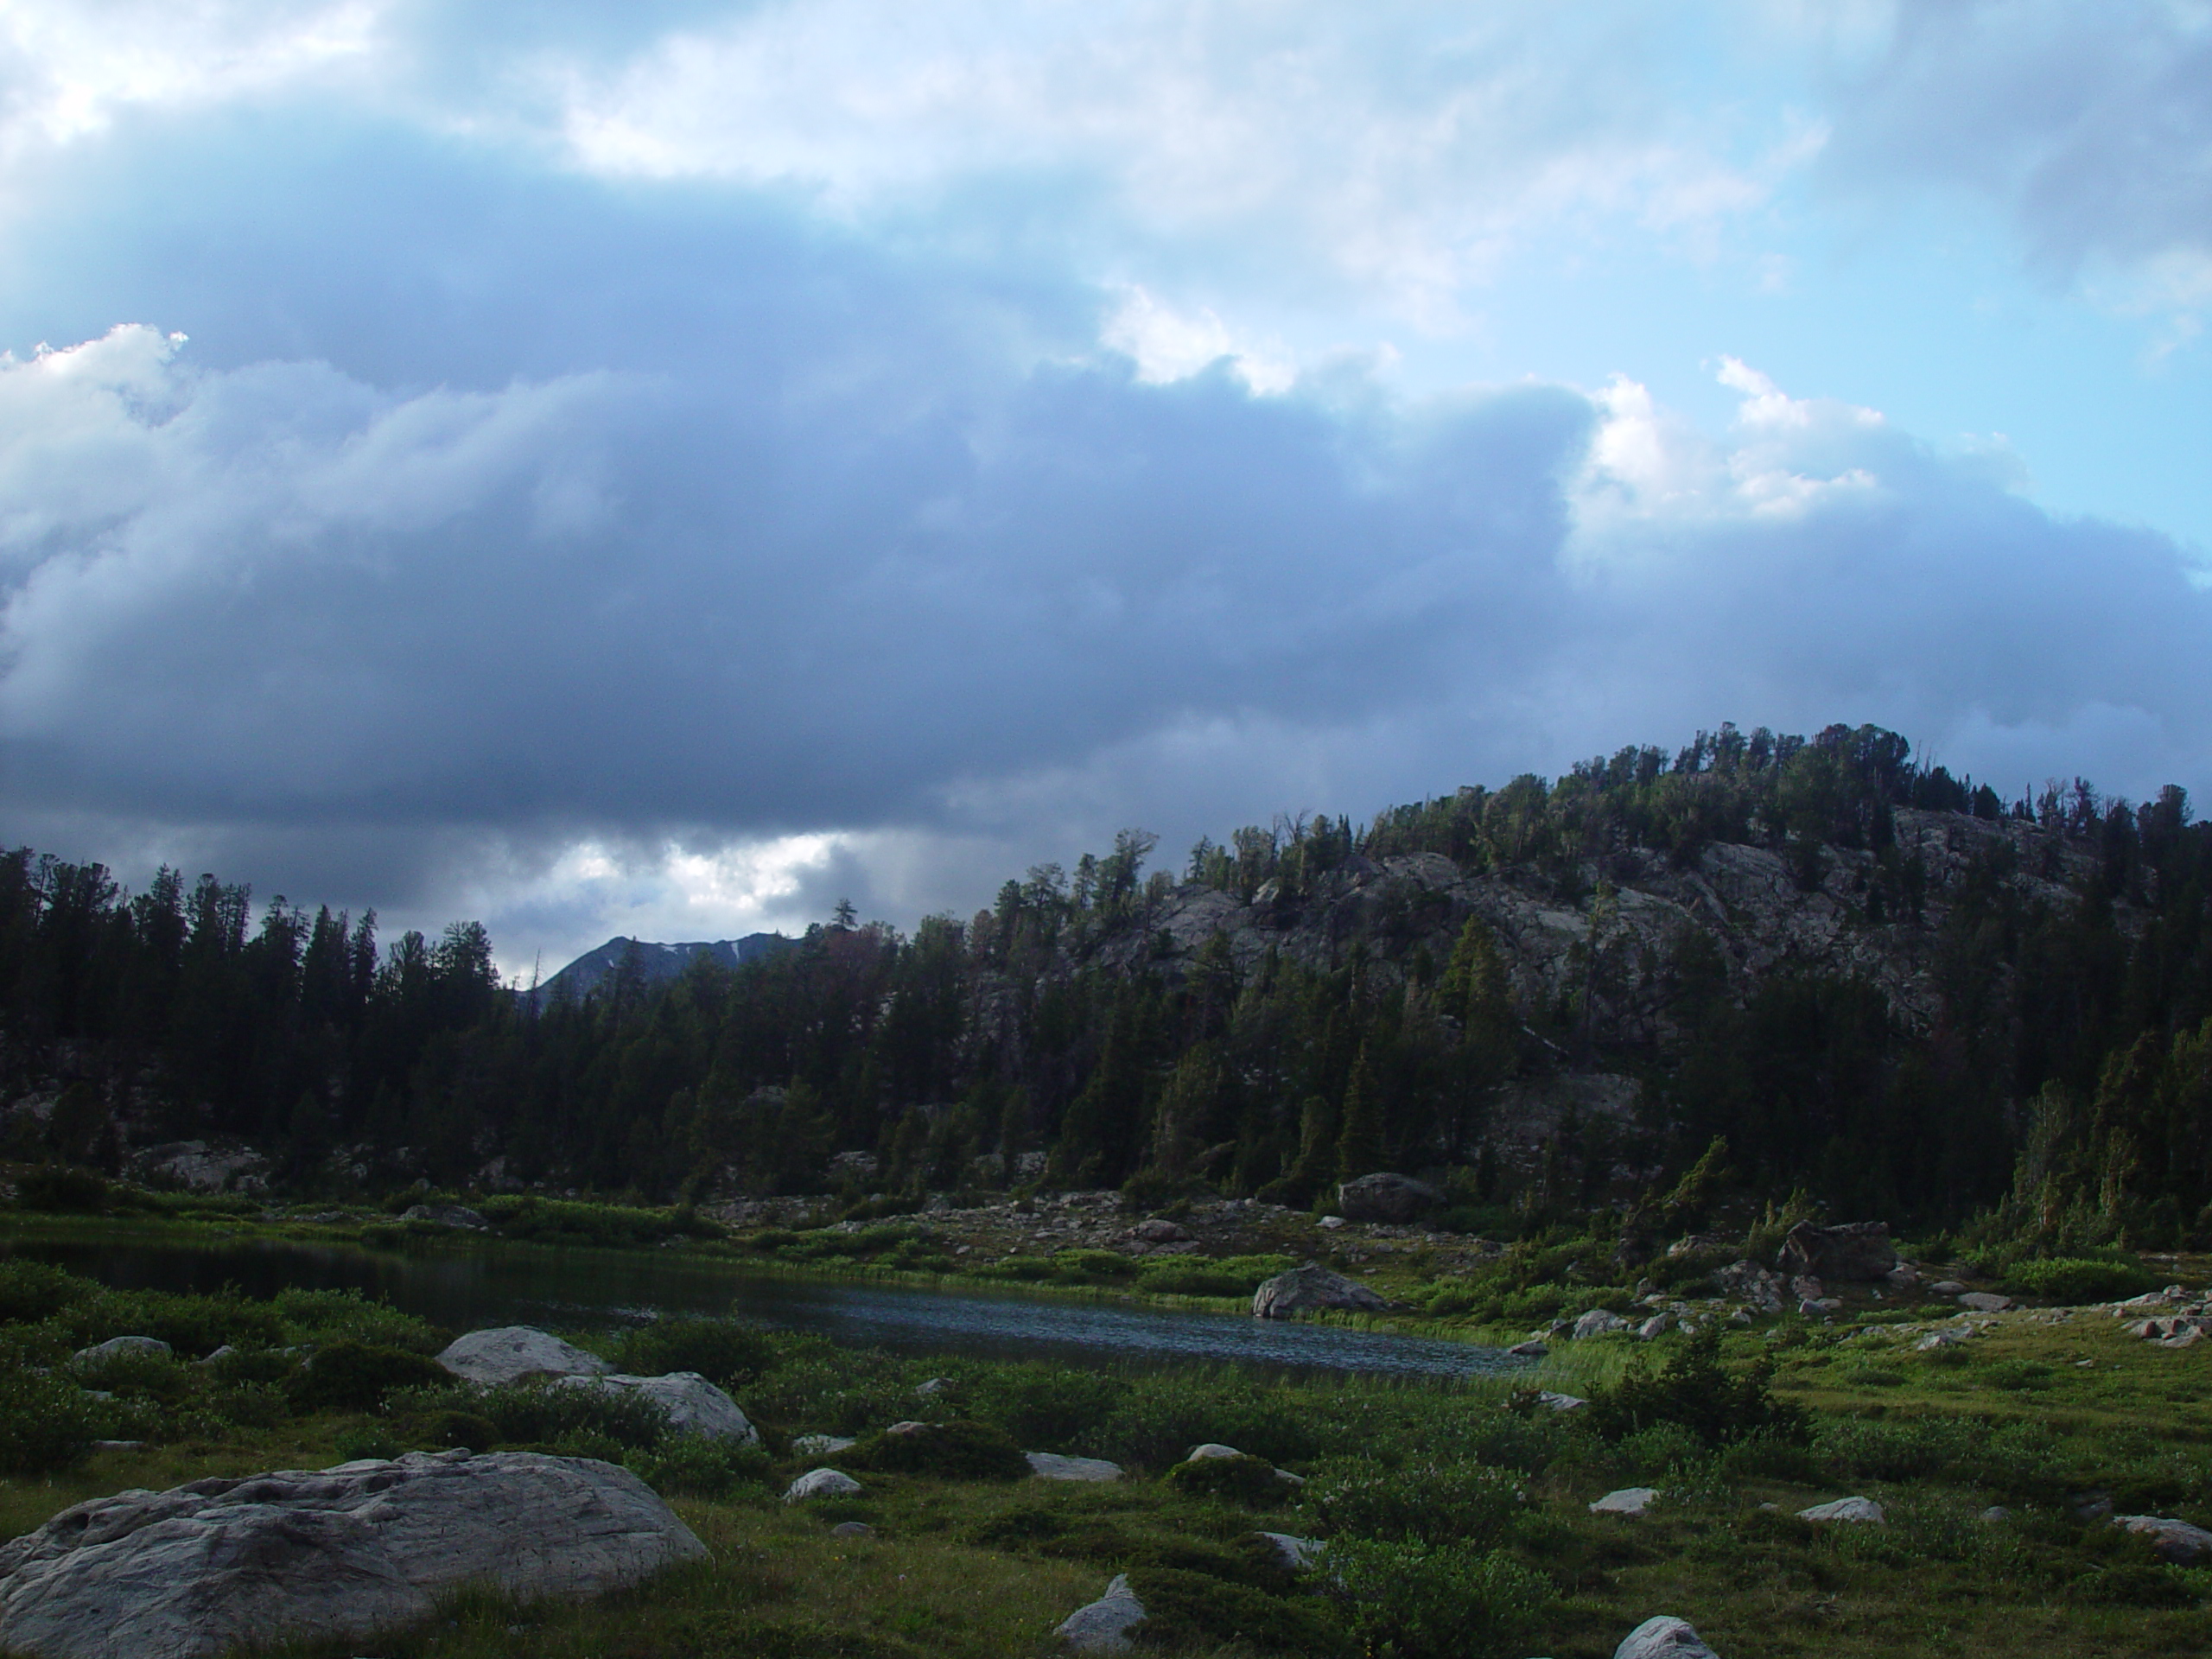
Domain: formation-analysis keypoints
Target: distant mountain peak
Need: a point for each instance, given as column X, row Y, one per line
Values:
column 661, row 961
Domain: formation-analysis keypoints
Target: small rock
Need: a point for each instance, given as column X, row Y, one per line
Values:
column 936, row 1385
column 821, row 1445
column 1657, row 1326
column 1997, row 1512
column 223, row 1352
column 1629, row 1500
column 1295, row 1553
column 122, row 1347
column 509, row 1353
column 821, row 1483
column 1946, row 1287
column 1985, row 1302
column 1211, row 1450
column 1747, row 1281
column 2175, row 1542
column 1560, row 1402
column 1598, row 1322
column 851, row 1529
column 1531, row 1349
column 2090, row 1506
column 1161, row 1230
column 1806, row 1288
column 446, row 1214
column 116, row 1445
column 1662, row 1638
column 1846, row 1508
column 1304, row 1289
column 1902, row 1277
column 1935, row 1339
column 1050, row 1466
column 1104, row 1625
column 1331, row 1223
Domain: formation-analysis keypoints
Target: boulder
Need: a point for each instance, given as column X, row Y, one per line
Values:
column 325, row 1554
column 1309, row 1289
column 821, row 1445
column 934, row 1387
column 1806, row 1288
column 851, row 1529
column 694, row 1405
column 509, row 1353
column 821, row 1483
column 446, row 1214
column 1657, row 1326
column 1846, row 1508
column 1050, row 1466
column 1629, row 1500
column 1210, row 1449
column 1985, row 1302
column 1747, row 1281
column 1161, row 1230
column 1104, row 1625
column 2177, row 1542
column 1386, row 1198
column 1946, row 1287
column 1851, row 1250
column 122, row 1348
column 1294, row 1553
column 1535, row 1348
column 1935, row 1339
column 1599, row 1323
column 1560, row 1402
column 1662, row 1638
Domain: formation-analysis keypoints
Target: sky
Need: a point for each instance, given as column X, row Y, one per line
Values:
column 658, row 468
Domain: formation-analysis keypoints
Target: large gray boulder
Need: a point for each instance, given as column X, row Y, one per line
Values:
column 821, row 1483
column 1309, row 1289
column 1386, row 1198
column 2175, row 1540
column 694, row 1406
column 1104, row 1625
column 335, row 1552
column 123, row 1348
column 1050, row 1466
column 1850, row 1249
column 1598, row 1322
column 1663, row 1637
column 1864, row 1510
column 510, row 1353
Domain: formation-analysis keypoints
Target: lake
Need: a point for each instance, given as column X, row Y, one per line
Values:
column 492, row 1283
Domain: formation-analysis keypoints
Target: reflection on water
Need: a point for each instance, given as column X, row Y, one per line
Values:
column 496, row 1284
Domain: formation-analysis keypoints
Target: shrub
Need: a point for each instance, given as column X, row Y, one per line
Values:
column 1162, row 1414
column 2132, row 1584
column 374, row 1441
column 1695, row 1390
column 445, row 1427
column 1859, row 1448
column 1043, row 1406
column 2075, row 1279
column 1093, row 1266
column 2019, row 1376
column 353, row 1375
column 728, row 1353
column 1650, row 1452
column 1240, row 1479
column 30, row 1291
column 1184, row 1276
column 46, row 1423
column 542, row 1413
column 1420, row 1502
column 1185, row 1607
column 961, row 1451
column 55, row 1188
column 321, row 1316
column 250, row 1405
column 1451, row 1602
column 698, row 1467
column 151, row 1377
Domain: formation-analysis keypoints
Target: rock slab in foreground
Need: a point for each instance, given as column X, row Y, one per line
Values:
column 1104, row 1625
column 338, row 1552
column 694, row 1405
column 1311, row 1289
column 509, row 1353
column 1662, row 1638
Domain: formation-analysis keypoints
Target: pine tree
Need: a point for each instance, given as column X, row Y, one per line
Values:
column 1359, row 1148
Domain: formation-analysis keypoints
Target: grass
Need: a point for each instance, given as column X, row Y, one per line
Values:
column 2012, row 1417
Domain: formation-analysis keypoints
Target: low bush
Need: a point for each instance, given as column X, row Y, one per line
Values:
column 1185, row 1606
column 1184, row 1276
column 726, row 1353
column 960, row 1450
column 147, row 1376
column 353, row 1375
column 1455, row 1601
column 47, row 1422
column 2076, row 1279
column 693, row 1466
column 30, row 1291
column 1696, row 1391
column 1043, row 1408
column 1162, row 1414
column 1241, row 1479
column 545, row 1414
column 1427, row 1503
column 58, row 1189
column 249, row 1405
column 320, row 1316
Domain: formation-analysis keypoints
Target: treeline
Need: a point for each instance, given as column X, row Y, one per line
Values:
column 2065, row 1078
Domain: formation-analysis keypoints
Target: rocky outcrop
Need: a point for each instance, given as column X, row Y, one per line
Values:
column 1294, row 1553
column 1853, row 1250
column 1748, row 1283
column 1104, row 1625
column 336, row 1552
column 1663, row 1637
column 1598, row 1322
column 821, row 1445
column 1309, row 1289
column 510, row 1353
column 1384, row 1198
column 693, row 1405
column 122, row 1348
column 201, row 1167
column 1629, row 1500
